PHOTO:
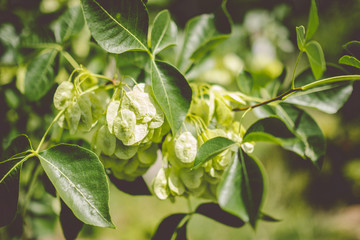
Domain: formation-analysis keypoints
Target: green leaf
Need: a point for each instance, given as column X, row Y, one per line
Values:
column 163, row 32
column 117, row 25
column 79, row 177
column 213, row 211
column 268, row 218
column 40, row 75
column 10, row 166
column 172, row 92
column 69, row 24
column 181, row 233
column 313, row 22
column 271, row 129
column 241, row 190
column 211, row 148
column 316, row 58
column 328, row 99
column 353, row 47
column 312, row 143
column 132, row 63
column 349, row 60
column 136, row 187
column 71, row 226
column 202, row 33
column 300, row 34
column 168, row 226
column 307, row 130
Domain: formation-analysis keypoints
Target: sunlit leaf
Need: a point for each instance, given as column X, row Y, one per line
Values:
column 300, row 34
column 213, row 211
column 10, row 166
column 163, row 33
column 168, row 226
column 117, row 25
column 210, row 148
column 69, row 24
column 313, row 21
column 172, row 92
column 40, row 75
column 241, row 190
column 349, row 60
column 79, row 177
column 316, row 58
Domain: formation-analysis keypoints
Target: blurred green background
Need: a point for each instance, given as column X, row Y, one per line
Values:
column 311, row 203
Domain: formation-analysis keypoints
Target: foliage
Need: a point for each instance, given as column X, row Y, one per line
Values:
column 151, row 106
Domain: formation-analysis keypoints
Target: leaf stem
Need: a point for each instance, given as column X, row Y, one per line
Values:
column 330, row 80
column 306, row 87
column 47, row 131
column 296, row 64
column 277, row 98
column 70, row 59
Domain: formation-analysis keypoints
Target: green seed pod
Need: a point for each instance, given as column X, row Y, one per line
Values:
column 125, row 152
column 176, row 186
column 131, row 166
column 86, row 120
column 148, row 156
column 119, row 164
column 107, row 161
column 124, row 125
column 111, row 114
column 72, row 116
column 198, row 191
column 191, row 178
column 223, row 113
column 139, row 133
column 160, row 185
column 105, row 141
column 98, row 103
column 63, row 95
column 186, row 148
column 222, row 160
